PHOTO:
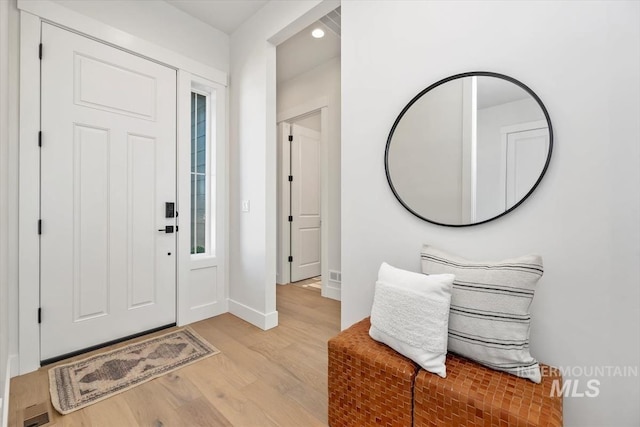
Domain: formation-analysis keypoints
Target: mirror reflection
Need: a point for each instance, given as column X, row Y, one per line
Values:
column 468, row 149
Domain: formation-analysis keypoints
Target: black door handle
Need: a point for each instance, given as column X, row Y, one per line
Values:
column 167, row 229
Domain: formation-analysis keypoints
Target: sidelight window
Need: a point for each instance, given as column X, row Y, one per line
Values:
column 201, row 173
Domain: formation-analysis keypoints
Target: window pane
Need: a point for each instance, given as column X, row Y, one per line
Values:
column 201, row 214
column 201, row 132
column 201, row 238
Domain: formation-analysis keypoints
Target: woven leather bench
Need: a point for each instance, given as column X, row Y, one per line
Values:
column 372, row 385
column 369, row 383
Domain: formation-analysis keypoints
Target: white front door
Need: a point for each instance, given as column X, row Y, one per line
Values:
column 108, row 165
column 305, row 203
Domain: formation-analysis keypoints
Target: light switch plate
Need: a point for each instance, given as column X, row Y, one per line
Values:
column 245, row 206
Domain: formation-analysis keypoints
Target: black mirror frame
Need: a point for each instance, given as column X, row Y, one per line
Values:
column 443, row 81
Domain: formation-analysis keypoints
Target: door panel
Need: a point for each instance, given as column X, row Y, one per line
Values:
column 305, row 203
column 90, row 222
column 108, row 165
column 92, row 88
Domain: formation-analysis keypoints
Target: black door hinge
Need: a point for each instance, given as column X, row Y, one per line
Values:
column 290, row 218
column 176, row 228
column 39, row 226
column 39, row 138
column 40, row 51
column 290, row 178
column 290, row 258
column 39, row 314
column 290, row 138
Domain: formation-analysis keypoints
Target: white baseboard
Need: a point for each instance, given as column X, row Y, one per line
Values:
column 261, row 320
column 330, row 290
column 12, row 362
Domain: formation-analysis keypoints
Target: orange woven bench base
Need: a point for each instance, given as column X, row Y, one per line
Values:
column 473, row 396
column 369, row 383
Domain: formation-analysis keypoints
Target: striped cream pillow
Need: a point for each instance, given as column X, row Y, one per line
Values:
column 489, row 317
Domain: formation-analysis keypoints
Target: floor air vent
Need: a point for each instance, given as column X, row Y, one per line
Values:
column 36, row 415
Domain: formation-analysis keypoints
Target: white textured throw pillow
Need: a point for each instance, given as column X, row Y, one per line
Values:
column 489, row 318
column 410, row 314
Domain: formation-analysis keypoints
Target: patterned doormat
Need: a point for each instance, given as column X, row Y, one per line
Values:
column 82, row 383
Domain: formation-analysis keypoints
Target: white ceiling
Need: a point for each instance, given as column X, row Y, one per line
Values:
column 302, row 52
column 225, row 15
column 295, row 56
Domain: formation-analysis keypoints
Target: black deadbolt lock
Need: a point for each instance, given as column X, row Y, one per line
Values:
column 169, row 210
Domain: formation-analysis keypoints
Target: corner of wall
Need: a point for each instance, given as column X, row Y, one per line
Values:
column 264, row 321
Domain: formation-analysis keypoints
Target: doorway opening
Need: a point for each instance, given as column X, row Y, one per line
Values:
column 300, row 200
column 308, row 153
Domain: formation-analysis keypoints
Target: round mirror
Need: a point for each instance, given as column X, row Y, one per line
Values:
column 468, row 149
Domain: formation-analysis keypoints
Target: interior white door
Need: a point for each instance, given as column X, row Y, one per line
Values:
column 108, row 165
column 526, row 155
column 305, row 203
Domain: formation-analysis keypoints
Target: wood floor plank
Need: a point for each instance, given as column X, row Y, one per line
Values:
column 271, row 401
column 231, row 402
column 201, row 412
column 180, row 390
column 150, row 407
column 260, row 378
column 110, row 412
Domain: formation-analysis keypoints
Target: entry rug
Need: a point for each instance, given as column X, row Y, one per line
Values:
column 82, row 383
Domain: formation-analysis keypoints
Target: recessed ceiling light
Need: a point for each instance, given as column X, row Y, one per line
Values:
column 318, row 33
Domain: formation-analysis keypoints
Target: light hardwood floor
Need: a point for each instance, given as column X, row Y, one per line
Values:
column 261, row 378
column 312, row 284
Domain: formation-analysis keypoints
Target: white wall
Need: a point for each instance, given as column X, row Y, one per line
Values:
column 321, row 82
column 582, row 59
column 252, row 239
column 162, row 24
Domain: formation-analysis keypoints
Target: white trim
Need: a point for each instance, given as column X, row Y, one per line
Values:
column 29, row 191
column 184, row 189
column 522, row 127
column 324, row 202
column 284, row 152
column 76, row 22
column 262, row 320
column 4, row 402
column 468, row 148
column 5, row 327
column 331, row 290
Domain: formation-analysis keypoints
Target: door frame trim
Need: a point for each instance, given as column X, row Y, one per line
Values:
column 32, row 15
column 505, row 131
